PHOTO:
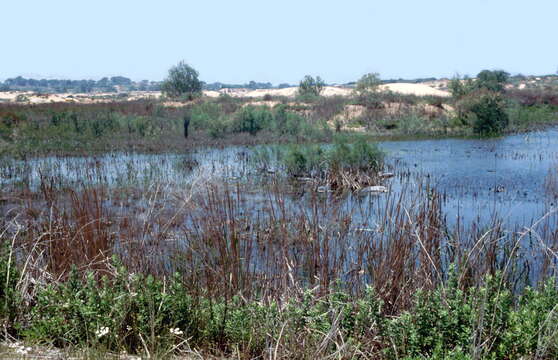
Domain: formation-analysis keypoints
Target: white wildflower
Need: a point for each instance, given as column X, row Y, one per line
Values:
column 102, row 332
column 176, row 331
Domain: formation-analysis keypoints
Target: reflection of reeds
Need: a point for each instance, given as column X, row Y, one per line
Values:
column 224, row 241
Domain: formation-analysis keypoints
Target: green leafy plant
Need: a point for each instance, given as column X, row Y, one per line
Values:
column 310, row 86
column 182, row 80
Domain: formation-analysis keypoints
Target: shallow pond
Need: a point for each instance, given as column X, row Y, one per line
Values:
column 514, row 177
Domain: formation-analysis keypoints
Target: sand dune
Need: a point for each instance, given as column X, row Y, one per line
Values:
column 402, row 88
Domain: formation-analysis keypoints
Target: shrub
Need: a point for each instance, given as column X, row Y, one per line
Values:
column 361, row 156
column 203, row 114
column 489, row 113
column 494, row 80
column 218, row 127
column 317, row 161
column 311, row 86
column 521, row 117
column 252, row 119
column 368, row 84
column 182, row 80
column 286, row 122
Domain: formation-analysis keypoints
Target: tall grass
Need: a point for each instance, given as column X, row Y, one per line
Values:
column 261, row 275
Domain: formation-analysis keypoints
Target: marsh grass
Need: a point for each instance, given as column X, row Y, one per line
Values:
column 251, row 275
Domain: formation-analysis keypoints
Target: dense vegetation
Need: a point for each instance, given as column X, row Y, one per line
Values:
column 268, row 268
column 77, row 272
column 154, row 126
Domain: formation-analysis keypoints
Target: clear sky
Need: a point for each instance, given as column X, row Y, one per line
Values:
column 236, row 41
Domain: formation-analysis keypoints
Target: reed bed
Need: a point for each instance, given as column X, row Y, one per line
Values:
column 282, row 260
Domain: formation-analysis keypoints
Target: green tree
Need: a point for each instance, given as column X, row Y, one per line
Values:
column 460, row 87
column 310, row 86
column 489, row 113
column 367, row 84
column 493, row 80
column 182, row 81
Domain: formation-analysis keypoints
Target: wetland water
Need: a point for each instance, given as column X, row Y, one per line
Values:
column 514, row 177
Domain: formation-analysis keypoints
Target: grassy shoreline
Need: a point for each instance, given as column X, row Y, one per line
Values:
column 150, row 127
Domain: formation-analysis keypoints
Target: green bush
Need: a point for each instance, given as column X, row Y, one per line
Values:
column 316, row 160
column 182, row 80
column 204, row 114
column 490, row 114
column 521, row 117
column 286, row 122
column 127, row 312
column 310, row 86
column 252, row 119
column 218, row 127
column 368, row 84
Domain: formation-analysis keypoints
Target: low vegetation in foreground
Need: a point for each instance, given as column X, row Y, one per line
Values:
column 211, row 270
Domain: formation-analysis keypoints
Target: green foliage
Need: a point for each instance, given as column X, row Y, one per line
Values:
column 217, row 128
column 368, row 84
column 494, row 80
column 9, row 277
column 439, row 322
column 317, row 160
column 126, row 312
column 460, row 87
column 304, row 160
column 203, row 114
column 489, row 112
column 286, row 122
column 522, row 117
column 182, row 80
column 533, row 328
column 136, row 313
column 310, row 86
column 486, row 80
column 252, row 119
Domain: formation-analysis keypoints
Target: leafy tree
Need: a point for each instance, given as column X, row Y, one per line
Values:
column 311, row 86
column 120, row 80
column 367, row 84
column 489, row 113
column 460, row 87
column 492, row 80
column 182, row 80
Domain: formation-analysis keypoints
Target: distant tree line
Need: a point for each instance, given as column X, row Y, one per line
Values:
column 106, row 84
column 252, row 85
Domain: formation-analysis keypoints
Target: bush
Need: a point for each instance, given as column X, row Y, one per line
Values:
column 494, row 80
column 252, row 119
column 286, row 122
column 368, row 84
column 218, row 127
column 304, row 160
column 204, row 114
column 489, row 113
column 310, row 86
column 521, row 117
column 317, row 161
column 182, row 80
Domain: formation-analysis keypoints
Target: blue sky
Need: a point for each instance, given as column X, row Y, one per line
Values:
column 277, row 41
